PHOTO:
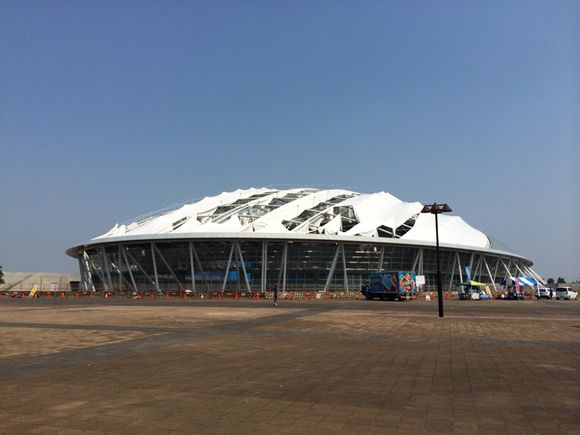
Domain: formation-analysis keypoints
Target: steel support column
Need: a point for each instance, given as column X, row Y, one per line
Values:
column 126, row 250
column 191, row 266
column 121, row 277
column 129, row 268
column 228, row 266
column 477, row 268
column 471, row 266
column 105, row 259
column 416, row 262
column 459, row 266
column 285, row 272
column 344, row 267
column 332, row 267
column 155, row 267
column 119, row 268
column 169, row 268
column 520, row 270
column 537, row 276
column 83, row 274
column 264, row 277
column 241, row 258
column 99, row 271
column 452, row 273
column 507, row 269
column 496, row 270
column 88, row 270
column 489, row 273
column 200, row 266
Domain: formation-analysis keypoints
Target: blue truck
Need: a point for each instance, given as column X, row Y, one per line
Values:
column 390, row 286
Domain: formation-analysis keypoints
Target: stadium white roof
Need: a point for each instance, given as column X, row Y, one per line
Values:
column 304, row 211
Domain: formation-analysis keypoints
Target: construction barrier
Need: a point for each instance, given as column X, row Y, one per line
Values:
column 167, row 295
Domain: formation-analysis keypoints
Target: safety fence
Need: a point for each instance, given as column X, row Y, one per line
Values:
column 215, row 295
column 186, row 294
column 426, row 294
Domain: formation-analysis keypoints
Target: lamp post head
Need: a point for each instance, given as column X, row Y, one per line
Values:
column 436, row 208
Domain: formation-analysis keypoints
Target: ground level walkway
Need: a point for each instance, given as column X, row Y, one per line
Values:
column 320, row 366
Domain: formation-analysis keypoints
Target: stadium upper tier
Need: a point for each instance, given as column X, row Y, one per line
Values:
column 293, row 213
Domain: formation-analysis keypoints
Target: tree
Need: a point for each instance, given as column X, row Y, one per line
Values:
column 561, row 280
column 1, row 276
column 551, row 281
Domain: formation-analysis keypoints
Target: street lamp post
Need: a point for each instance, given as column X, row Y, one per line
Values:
column 437, row 209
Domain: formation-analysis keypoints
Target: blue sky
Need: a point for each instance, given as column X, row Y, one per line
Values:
column 113, row 109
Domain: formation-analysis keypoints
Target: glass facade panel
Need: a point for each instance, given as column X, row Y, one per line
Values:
column 308, row 264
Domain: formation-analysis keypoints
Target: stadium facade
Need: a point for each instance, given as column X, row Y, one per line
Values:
column 302, row 239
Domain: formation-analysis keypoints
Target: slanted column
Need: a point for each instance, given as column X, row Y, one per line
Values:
column 344, row 268
column 228, row 266
column 285, row 267
column 155, row 267
column 264, row 266
column 119, row 268
column 86, row 260
column 107, row 271
column 489, row 273
column 83, row 274
column 129, row 268
column 332, row 267
column 381, row 259
column 191, row 266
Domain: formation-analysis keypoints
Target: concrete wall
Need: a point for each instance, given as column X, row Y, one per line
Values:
column 46, row 281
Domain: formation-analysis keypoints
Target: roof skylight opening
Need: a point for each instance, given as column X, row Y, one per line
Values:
column 406, row 226
column 175, row 225
column 384, row 231
column 310, row 213
column 348, row 217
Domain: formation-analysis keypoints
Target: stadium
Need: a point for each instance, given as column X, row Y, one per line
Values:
column 300, row 239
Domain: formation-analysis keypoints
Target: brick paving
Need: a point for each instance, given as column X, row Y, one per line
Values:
column 243, row 366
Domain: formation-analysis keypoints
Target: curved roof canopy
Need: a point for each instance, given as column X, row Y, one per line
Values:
column 304, row 211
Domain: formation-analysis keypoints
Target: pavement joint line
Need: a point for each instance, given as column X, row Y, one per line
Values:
column 162, row 337
column 231, row 324
column 166, row 337
column 421, row 339
column 88, row 327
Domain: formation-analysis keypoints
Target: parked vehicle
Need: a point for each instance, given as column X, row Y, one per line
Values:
column 513, row 295
column 390, row 285
column 545, row 293
column 566, row 293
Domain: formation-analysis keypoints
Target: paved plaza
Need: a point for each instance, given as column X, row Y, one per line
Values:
column 319, row 366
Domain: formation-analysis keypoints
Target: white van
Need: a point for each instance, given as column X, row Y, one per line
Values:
column 545, row 293
column 566, row 293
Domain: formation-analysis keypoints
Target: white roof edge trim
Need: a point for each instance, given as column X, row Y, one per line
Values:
column 292, row 237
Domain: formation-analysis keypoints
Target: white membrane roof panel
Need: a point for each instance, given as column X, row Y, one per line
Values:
column 304, row 211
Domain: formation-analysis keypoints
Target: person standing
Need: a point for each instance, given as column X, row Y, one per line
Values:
column 276, row 295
